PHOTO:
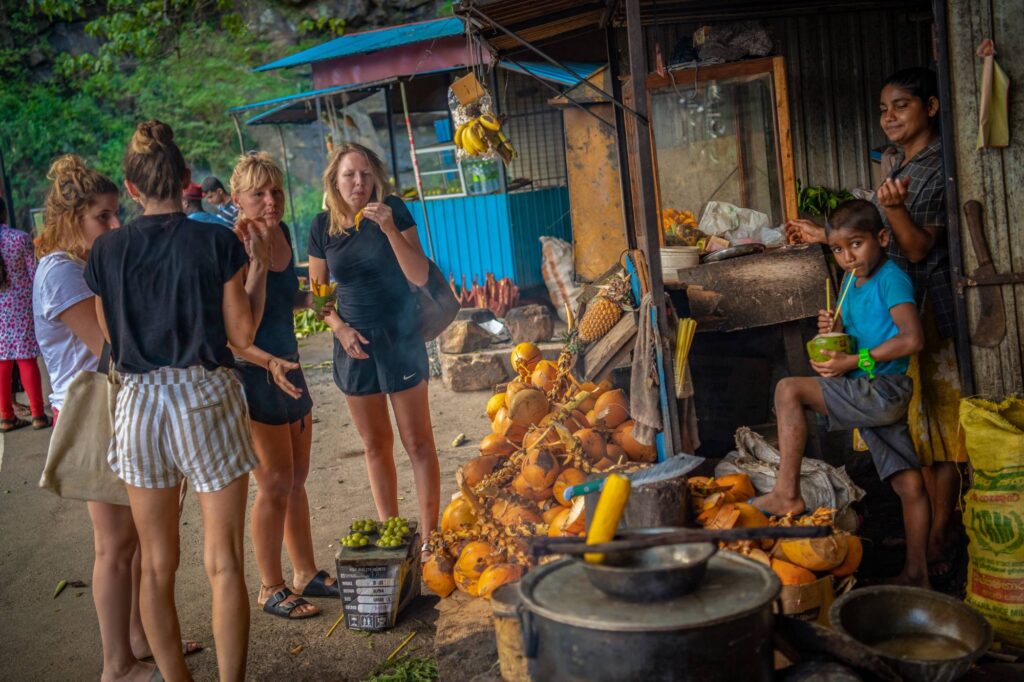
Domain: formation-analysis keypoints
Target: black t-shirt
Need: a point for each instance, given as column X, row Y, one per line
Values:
column 372, row 289
column 161, row 279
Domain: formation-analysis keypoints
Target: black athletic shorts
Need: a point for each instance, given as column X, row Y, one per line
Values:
column 268, row 404
column 398, row 361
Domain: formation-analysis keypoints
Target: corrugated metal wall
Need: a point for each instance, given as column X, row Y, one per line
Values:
column 835, row 64
column 541, row 213
column 472, row 236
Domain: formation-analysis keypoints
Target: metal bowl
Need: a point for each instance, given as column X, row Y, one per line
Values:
column 652, row 574
column 923, row 635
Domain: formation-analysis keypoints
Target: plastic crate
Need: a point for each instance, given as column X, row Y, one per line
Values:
column 443, row 130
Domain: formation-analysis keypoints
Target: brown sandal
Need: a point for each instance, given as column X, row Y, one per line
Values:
column 12, row 424
column 40, row 423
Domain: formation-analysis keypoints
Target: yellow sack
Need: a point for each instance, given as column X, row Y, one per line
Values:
column 994, row 513
column 994, row 432
column 994, row 517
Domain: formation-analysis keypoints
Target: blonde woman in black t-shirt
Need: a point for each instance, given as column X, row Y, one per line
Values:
column 367, row 241
column 170, row 296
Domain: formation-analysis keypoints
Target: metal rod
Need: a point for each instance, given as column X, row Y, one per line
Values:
column 238, row 129
column 288, row 184
column 962, row 336
column 649, row 225
column 389, row 114
column 546, row 545
column 558, row 92
column 416, row 169
column 551, row 60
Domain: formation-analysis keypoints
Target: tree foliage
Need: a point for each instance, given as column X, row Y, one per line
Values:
column 182, row 61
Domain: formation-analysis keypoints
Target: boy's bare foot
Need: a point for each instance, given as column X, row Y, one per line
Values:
column 138, row 672
column 910, row 580
column 777, row 505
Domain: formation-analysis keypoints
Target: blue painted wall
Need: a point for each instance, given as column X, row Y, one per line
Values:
column 496, row 233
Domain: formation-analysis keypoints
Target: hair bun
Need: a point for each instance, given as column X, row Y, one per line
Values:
column 149, row 135
column 64, row 166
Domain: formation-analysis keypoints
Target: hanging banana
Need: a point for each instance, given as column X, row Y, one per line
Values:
column 482, row 134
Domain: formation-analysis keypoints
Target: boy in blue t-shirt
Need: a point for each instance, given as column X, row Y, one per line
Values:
column 868, row 390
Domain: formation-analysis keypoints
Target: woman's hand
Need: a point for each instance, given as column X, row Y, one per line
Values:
column 804, row 231
column 351, row 341
column 256, row 237
column 837, row 366
column 893, row 193
column 279, row 369
column 380, row 213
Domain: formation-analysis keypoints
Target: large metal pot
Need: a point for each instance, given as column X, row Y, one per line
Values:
column 720, row 631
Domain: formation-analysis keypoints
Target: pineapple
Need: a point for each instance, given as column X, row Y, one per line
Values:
column 605, row 309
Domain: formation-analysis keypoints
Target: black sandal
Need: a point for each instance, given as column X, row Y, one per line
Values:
column 12, row 424
column 40, row 423
column 318, row 587
column 276, row 605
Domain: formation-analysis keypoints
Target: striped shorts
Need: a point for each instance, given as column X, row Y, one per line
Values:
column 172, row 423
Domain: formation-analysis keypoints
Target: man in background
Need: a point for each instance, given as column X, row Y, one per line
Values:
column 192, row 203
column 218, row 197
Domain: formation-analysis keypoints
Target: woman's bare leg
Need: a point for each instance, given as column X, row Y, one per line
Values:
column 370, row 415
column 116, row 545
column 223, row 557
column 274, row 485
column 298, row 537
column 412, row 414
column 155, row 512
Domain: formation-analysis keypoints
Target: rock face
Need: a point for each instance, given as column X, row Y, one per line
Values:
column 474, row 371
column 478, row 315
column 530, row 323
column 464, row 336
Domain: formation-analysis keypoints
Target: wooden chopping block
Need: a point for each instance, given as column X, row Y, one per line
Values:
column 662, row 503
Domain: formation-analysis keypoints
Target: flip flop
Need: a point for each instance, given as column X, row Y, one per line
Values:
column 40, row 423
column 276, row 605
column 318, row 587
column 188, row 647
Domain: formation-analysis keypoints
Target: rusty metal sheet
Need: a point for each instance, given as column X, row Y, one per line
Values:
column 595, row 191
column 756, row 291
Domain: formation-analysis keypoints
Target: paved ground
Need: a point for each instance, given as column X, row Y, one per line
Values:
column 46, row 539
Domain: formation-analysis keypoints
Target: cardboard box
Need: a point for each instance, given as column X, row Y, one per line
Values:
column 813, row 600
column 376, row 584
column 467, row 89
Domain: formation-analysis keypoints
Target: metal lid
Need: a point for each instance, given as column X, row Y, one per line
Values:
column 732, row 588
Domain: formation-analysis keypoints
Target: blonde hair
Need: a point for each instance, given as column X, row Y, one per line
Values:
column 153, row 162
column 336, row 206
column 255, row 170
column 75, row 187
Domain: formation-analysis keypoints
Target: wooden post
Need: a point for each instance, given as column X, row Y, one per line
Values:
column 647, row 226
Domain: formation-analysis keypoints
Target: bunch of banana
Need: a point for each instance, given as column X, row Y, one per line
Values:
column 483, row 134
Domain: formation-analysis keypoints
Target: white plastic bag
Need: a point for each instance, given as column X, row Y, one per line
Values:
column 556, row 267
column 739, row 225
column 821, row 485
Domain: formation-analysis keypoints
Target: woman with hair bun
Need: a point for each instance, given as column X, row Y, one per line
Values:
column 82, row 204
column 171, row 294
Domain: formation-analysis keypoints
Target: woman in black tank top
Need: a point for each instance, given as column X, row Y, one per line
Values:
column 280, row 418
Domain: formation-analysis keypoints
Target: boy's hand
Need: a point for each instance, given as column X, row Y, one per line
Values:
column 840, row 364
column 827, row 322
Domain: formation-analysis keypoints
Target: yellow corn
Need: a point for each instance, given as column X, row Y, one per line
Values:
column 609, row 510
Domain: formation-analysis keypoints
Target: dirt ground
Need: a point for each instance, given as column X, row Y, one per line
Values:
column 46, row 539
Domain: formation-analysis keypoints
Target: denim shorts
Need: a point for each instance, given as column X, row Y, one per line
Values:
column 878, row 407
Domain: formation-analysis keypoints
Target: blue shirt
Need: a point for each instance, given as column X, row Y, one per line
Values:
column 866, row 315
column 204, row 217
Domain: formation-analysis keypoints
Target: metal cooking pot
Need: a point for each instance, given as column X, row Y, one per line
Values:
column 923, row 635
column 720, row 631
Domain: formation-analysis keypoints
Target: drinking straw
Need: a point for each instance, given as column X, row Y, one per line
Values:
column 842, row 298
column 828, row 295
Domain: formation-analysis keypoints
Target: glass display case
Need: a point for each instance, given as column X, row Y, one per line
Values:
column 721, row 133
column 443, row 175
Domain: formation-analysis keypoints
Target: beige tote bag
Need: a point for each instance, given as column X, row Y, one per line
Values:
column 76, row 463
